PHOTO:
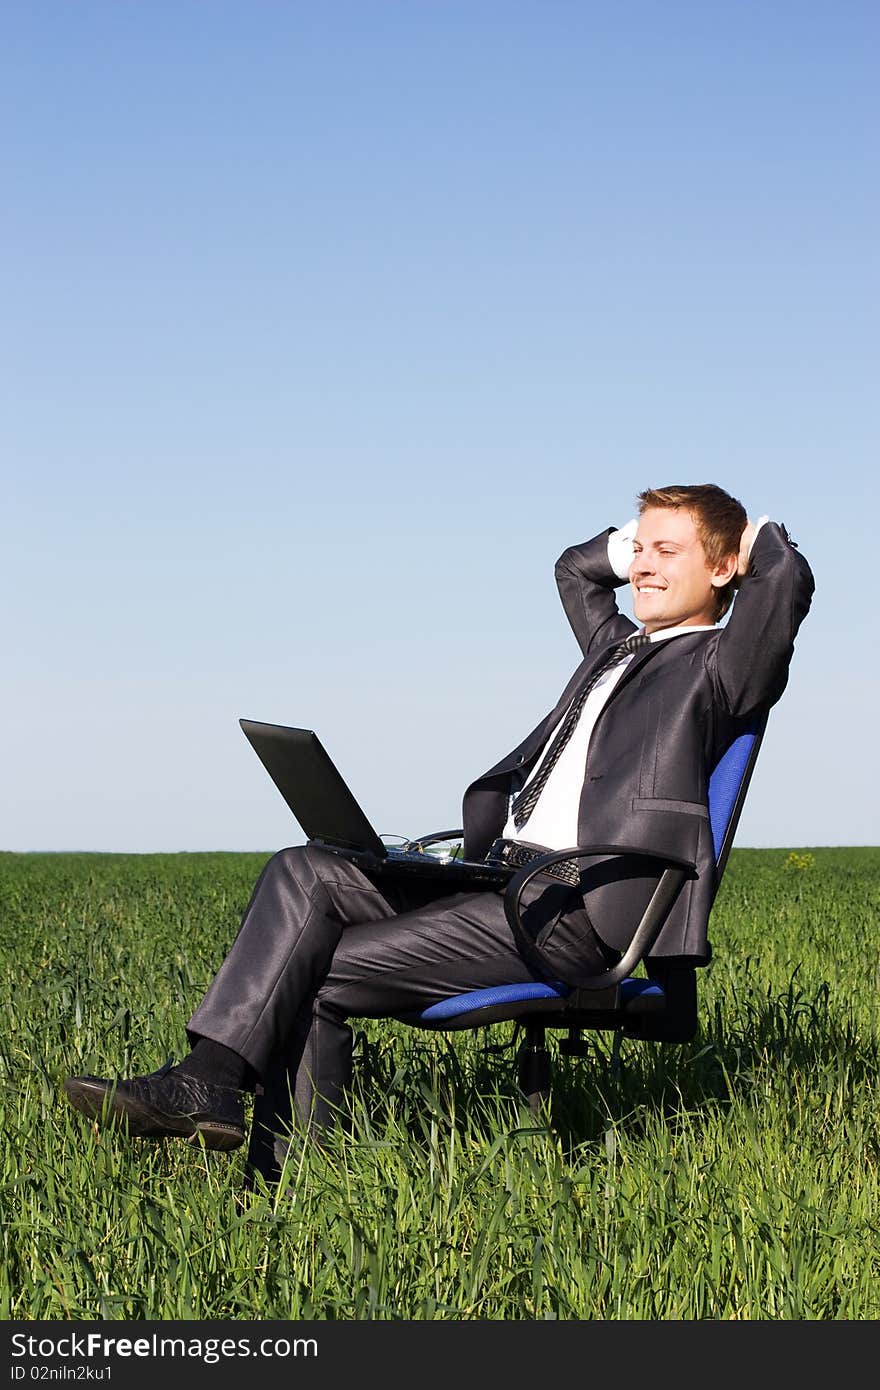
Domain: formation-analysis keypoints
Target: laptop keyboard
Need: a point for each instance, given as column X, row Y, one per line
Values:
column 420, row 856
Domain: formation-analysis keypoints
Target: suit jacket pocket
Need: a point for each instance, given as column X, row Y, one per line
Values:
column 659, row 803
column 667, row 826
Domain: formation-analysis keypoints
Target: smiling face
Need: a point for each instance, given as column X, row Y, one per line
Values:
column 673, row 584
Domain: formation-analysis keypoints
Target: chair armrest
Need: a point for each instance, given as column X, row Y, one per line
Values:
column 673, row 876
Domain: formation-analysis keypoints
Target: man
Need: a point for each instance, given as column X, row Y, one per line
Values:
column 623, row 758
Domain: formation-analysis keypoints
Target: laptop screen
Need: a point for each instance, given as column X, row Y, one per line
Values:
column 312, row 786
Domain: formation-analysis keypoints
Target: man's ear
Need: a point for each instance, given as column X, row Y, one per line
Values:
column 723, row 573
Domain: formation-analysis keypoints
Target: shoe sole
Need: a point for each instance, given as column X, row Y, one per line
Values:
column 100, row 1103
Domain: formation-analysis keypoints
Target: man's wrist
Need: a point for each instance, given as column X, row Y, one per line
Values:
column 620, row 548
column 747, row 541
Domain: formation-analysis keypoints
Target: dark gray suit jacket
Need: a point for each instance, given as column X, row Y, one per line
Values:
column 669, row 718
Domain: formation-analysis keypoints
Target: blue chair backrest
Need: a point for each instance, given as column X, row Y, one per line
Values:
column 728, row 785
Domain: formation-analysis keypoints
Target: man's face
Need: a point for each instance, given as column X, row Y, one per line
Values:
column 673, row 584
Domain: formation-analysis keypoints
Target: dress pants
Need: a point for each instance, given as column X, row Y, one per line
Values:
column 322, row 941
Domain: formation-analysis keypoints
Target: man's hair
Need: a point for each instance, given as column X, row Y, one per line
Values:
column 720, row 520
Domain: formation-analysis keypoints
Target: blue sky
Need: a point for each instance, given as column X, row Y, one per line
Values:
column 326, row 328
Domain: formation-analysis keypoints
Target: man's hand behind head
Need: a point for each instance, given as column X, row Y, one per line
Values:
column 745, row 547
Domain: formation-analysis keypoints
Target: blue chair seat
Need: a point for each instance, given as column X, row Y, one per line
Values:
column 461, row 1008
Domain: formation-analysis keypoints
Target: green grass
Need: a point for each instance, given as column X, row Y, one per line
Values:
column 735, row 1176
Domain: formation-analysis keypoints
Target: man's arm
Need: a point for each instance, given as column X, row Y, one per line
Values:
column 749, row 665
column 586, row 576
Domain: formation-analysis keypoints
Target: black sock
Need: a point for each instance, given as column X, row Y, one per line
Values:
column 211, row 1061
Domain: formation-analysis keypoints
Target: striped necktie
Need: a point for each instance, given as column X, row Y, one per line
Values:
column 523, row 804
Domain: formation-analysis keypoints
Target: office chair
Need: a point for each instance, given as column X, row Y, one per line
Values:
column 659, row 1006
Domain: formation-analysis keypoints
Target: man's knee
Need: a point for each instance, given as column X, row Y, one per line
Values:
column 300, row 862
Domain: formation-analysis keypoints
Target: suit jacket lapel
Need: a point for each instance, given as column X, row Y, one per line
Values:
column 539, row 735
column 533, row 743
column 654, row 649
column 581, row 676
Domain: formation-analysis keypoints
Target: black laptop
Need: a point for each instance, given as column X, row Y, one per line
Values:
column 331, row 817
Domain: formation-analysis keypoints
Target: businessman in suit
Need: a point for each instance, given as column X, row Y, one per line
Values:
column 623, row 757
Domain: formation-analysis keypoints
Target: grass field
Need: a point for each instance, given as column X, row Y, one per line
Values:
column 735, row 1176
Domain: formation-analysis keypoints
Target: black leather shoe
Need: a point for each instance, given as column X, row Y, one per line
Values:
column 164, row 1104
